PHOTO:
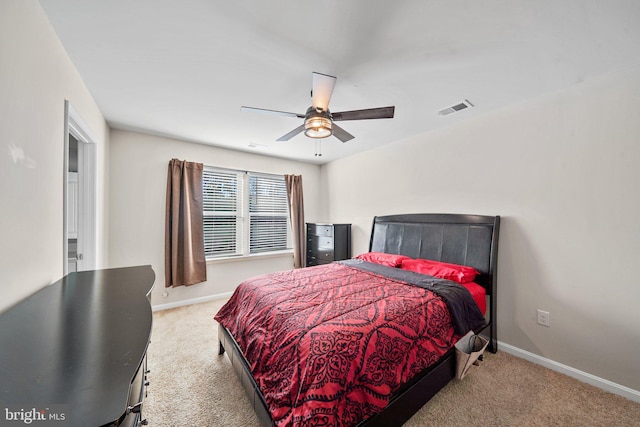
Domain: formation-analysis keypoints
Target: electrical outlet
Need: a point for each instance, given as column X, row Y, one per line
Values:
column 544, row 318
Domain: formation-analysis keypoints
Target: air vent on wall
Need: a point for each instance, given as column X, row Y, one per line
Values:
column 455, row 108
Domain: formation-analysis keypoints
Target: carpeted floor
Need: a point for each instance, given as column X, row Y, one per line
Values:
column 191, row 385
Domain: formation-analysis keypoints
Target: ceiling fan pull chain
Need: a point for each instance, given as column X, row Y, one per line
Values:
column 318, row 148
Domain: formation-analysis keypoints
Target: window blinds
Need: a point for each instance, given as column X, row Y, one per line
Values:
column 222, row 212
column 268, row 213
column 244, row 213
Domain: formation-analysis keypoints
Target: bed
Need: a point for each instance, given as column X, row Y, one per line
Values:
column 386, row 395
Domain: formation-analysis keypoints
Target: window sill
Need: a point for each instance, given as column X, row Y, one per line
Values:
column 278, row 254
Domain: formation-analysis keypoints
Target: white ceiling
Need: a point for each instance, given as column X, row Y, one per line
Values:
column 184, row 69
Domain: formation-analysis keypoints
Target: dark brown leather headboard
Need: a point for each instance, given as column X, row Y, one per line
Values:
column 460, row 239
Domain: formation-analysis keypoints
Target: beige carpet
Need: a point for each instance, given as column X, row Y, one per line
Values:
column 192, row 386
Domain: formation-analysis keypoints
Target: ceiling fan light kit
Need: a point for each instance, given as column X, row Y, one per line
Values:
column 317, row 123
column 318, row 120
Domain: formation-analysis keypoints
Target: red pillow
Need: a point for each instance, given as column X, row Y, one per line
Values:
column 390, row 260
column 443, row 270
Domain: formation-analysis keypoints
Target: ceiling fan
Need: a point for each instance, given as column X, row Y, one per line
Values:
column 318, row 120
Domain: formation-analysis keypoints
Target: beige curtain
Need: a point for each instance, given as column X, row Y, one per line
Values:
column 184, row 261
column 296, row 212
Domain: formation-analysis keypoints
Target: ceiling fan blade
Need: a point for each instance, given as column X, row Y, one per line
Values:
column 321, row 90
column 292, row 133
column 340, row 133
column 371, row 113
column 275, row 112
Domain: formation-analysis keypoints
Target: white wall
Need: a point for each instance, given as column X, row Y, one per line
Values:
column 563, row 173
column 138, row 179
column 36, row 76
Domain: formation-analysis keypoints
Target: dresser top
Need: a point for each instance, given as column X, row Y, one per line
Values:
column 77, row 344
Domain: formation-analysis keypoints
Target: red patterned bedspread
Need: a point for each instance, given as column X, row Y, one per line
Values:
column 329, row 345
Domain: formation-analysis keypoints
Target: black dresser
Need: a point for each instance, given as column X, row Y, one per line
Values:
column 327, row 243
column 74, row 353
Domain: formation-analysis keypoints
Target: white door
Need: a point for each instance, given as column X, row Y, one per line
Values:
column 72, row 205
column 79, row 245
column 72, row 220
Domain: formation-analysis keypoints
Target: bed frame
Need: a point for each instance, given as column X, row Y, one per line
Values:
column 460, row 239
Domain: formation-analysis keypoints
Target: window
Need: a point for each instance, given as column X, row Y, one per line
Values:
column 268, row 214
column 222, row 212
column 244, row 213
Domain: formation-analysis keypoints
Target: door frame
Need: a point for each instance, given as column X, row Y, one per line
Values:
column 87, row 189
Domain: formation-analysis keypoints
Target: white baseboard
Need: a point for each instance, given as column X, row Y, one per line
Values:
column 190, row 301
column 585, row 377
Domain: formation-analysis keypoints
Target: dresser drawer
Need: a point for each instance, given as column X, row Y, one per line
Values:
column 320, row 229
column 137, row 394
column 320, row 242
column 320, row 258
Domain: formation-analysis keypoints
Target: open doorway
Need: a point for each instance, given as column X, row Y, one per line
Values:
column 79, row 208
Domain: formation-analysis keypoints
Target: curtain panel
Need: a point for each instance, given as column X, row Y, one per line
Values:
column 296, row 212
column 184, row 259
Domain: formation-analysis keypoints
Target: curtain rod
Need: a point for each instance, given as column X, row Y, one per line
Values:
column 244, row 171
